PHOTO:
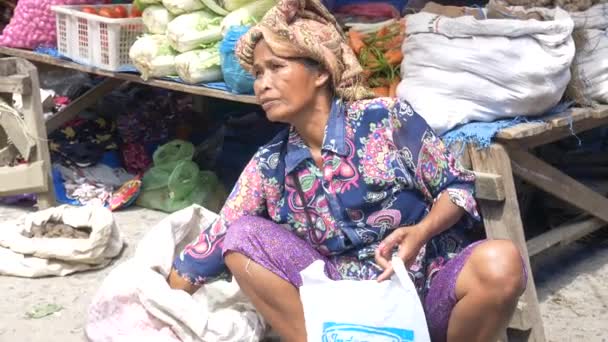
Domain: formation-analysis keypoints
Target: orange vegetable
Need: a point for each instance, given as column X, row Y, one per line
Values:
column 107, row 12
column 383, row 31
column 90, row 10
column 380, row 91
column 393, row 57
column 392, row 89
column 135, row 12
column 355, row 40
column 120, row 11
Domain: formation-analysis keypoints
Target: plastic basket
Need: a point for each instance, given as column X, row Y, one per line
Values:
column 95, row 40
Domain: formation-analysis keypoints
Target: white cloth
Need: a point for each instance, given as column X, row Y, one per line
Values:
column 135, row 302
column 458, row 70
column 39, row 257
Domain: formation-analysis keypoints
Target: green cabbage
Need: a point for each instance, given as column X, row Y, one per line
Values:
column 231, row 5
column 153, row 56
column 177, row 7
column 247, row 15
column 215, row 7
column 190, row 31
column 156, row 18
column 201, row 65
column 142, row 4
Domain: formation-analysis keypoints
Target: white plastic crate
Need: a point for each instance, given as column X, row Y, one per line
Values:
column 95, row 40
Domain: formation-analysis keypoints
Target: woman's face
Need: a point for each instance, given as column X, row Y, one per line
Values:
column 285, row 88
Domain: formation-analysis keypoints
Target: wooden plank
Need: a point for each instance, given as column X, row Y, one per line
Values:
column 7, row 155
column 489, row 187
column 8, row 67
column 521, row 318
column 564, row 235
column 192, row 89
column 81, row 103
column 502, row 220
column 32, row 115
column 570, row 116
column 553, row 181
column 15, row 84
column 23, row 179
column 600, row 112
column 562, row 120
column 559, row 133
column 523, row 130
column 16, row 130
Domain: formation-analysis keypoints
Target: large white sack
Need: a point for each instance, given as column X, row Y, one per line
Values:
column 457, row 70
column 135, row 302
column 37, row 257
column 589, row 83
column 595, row 17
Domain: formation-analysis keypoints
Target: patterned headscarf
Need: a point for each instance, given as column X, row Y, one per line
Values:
column 306, row 29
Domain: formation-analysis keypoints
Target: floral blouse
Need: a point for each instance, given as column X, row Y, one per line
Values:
column 383, row 167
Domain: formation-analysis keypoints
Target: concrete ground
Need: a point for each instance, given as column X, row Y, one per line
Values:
column 572, row 284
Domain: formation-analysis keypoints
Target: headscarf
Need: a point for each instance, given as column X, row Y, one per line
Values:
column 306, row 29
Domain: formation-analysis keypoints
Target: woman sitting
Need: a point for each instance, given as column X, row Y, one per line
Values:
column 353, row 181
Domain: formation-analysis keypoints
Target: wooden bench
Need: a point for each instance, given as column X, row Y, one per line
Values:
column 510, row 156
column 23, row 133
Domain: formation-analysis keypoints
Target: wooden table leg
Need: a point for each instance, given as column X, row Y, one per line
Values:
column 502, row 220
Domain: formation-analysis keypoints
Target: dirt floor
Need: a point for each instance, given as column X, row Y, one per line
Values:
column 572, row 282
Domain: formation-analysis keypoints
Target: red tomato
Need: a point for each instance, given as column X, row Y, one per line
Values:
column 120, row 12
column 107, row 12
column 135, row 12
column 91, row 10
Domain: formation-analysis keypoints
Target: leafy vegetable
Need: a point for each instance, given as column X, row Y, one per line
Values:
column 153, row 56
column 247, row 15
column 177, row 7
column 156, row 18
column 190, row 31
column 201, row 65
column 232, row 5
column 215, row 7
column 142, row 4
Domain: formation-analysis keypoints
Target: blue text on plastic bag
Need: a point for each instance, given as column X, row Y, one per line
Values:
column 343, row 332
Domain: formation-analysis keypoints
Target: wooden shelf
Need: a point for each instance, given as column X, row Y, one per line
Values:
column 196, row 90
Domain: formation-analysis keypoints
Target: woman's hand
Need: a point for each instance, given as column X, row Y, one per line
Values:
column 176, row 282
column 409, row 239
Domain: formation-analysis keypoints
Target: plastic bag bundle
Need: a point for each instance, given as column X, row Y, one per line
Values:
column 33, row 24
column 238, row 80
column 176, row 182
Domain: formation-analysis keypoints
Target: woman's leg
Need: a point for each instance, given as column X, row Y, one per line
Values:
column 266, row 260
column 473, row 297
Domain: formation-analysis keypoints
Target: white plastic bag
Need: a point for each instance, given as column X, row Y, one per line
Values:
column 135, row 302
column 457, row 70
column 38, row 257
column 348, row 310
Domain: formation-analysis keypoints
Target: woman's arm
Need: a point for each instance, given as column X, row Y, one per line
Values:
column 438, row 177
column 202, row 260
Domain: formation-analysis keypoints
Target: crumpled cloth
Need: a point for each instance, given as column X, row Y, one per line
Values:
column 306, row 29
column 135, row 302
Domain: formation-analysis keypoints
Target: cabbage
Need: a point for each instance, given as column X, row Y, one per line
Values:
column 190, row 31
column 178, row 7
column 201, row 65
column 247, row 15
column 153, row 56
column 231, row 5
column 142, row 4
column 156, row 18
column 215, row 7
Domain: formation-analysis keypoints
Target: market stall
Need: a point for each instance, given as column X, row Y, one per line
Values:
column 429, row 60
